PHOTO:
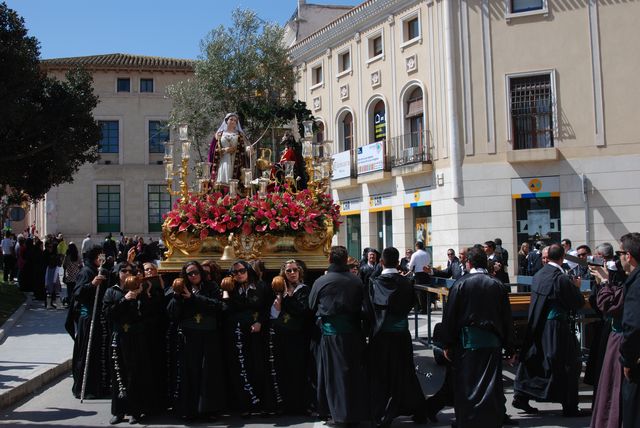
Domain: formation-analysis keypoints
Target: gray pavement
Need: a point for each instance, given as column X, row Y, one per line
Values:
column 35, row 351
column 35, row 383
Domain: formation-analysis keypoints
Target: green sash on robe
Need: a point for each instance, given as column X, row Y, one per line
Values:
column 477, row 338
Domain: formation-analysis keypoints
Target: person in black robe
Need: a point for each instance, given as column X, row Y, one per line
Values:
column 336, row 299
column 288, row 346
column 156, row 320
column 199, row 380
column 130, row 371
column 476, row 326
column 549, row 367
column 394, row 388
column 246, row 322
column 89, row 281
column 630, row 347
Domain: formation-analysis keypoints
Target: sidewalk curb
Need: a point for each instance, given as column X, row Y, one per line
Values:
column 13, row 319
column 16, row 394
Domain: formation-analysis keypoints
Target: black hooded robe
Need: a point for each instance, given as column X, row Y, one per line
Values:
column 288, row 354
column 477, row 325
column 549, row 362
column 198, row 378
column 394, row 388
column 336, row 298
column 245, row 351
column 131, row 375
column 98, row 380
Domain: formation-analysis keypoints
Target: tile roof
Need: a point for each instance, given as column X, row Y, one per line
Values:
column 120, row 61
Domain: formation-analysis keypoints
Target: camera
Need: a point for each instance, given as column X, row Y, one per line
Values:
column 595, row 261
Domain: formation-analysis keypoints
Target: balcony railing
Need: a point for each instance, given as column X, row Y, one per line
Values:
column 409, row 148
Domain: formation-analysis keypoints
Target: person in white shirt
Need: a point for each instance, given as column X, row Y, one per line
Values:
column 566, row 245
column 420, row 260
column 86, row 245
column 8, row 256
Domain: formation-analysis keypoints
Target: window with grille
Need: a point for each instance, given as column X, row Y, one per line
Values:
column 108, row 208
column 531, row 111
column 158, row 135
column 158, row 205
column 110, row 140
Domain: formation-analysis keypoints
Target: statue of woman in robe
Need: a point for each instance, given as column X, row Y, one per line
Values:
column 227, row 151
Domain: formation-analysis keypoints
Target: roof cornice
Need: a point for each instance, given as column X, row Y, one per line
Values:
column 342, row 29
column 119, row 62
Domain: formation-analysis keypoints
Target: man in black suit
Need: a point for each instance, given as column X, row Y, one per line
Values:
column 455, row 268
column 534, row 259
column 549, row 369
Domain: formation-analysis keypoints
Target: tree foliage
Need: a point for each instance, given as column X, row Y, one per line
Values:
column 243, row 68
column 47, row 130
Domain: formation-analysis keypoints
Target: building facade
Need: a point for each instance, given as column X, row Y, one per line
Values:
column 125, row 191
column 456, row 122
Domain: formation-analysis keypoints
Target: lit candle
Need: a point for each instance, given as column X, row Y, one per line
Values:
column 263, row 187
column 306, row 149
column 168, row 151
column 247, row 177
column 308, row 128
column 206, row 170
column 186, row 147
column 288, row 168
column 233, row 187
column 183, row 132
column 327, row 149
column 168, row 170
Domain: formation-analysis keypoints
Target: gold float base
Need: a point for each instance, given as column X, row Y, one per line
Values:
column 273, row 250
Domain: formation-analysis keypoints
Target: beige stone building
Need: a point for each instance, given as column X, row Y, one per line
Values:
column 459, row 121
column 125, row 190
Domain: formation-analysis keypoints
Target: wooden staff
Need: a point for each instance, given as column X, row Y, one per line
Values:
column 102, row 260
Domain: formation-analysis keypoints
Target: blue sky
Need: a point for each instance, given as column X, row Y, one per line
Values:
column 68, row 28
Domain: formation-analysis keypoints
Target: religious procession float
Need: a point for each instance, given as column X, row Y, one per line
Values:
column 246, row 206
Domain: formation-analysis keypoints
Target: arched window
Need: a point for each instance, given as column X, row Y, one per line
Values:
column 319, row 132
column 346, row 132
column 414, row 115
column 379, row 121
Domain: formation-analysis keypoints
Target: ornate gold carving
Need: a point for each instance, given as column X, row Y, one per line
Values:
column 309, row 242
column 251, row 246
column 184, row 242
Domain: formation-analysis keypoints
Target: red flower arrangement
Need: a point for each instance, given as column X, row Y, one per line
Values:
column 280, row 212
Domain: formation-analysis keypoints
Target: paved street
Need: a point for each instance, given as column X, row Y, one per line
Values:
column 54, row 405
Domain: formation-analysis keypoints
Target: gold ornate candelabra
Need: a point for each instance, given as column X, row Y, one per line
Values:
column 317, row 159
column 203, row 168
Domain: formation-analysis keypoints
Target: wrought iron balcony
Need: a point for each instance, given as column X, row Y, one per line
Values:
column 409, row 148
